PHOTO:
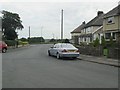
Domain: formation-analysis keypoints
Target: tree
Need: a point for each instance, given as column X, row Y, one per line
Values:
column 66, row 41
column 36, row 39
column 52, row 40
column 24, row 39
column 10, row 23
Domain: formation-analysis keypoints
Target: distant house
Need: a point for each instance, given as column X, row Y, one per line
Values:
column 91, row 27
column 76, row 33
column 111, row 24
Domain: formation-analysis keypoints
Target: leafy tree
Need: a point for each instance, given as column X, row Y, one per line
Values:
column 10, row 23
column 24, row 39
column 66, row 41
column 52, row 40
column 36, row 40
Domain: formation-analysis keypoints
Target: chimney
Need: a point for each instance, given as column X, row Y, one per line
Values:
column 99, row 13
column 83, row 22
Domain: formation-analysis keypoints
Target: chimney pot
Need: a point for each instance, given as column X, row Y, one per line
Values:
column 100, row 13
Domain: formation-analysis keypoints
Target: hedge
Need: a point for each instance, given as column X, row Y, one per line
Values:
column 10, row 42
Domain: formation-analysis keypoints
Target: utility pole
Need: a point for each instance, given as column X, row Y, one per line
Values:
column 62, row 24
column 53, row 35
column 29, row 31
column 41, row 30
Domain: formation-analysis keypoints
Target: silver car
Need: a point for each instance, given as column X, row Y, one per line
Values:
column 63, row 50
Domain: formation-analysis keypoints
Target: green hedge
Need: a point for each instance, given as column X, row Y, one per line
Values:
column 10, row 42
column 22, row 43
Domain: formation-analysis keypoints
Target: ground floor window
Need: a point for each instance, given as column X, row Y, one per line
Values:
column 107, row 35
column 114, row 35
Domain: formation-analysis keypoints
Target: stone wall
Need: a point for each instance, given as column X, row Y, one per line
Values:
column 113, row 52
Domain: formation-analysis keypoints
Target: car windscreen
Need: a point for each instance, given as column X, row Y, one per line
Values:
column 67, row 46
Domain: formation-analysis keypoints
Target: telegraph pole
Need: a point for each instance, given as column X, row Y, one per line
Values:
column 62, row 24
column 41, row 30
column 29, row 31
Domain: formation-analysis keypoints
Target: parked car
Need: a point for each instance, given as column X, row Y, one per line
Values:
column 3, row 46
column 63, row 50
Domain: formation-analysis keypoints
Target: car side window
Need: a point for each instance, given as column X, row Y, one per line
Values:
column 54, row 46
column 57, row 46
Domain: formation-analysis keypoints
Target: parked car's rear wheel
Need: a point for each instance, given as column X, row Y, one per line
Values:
column 4, row 50
column 58, row 56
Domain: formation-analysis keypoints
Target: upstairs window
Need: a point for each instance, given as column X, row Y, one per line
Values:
column 110, row 20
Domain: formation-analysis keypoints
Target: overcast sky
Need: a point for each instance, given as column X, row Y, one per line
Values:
column 44, row 17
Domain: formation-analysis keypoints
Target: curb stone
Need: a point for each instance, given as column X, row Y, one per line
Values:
column 101, row 62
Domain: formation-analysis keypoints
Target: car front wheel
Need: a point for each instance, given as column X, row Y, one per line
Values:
column 4, row 50
column 49, row 53
column 58, row 56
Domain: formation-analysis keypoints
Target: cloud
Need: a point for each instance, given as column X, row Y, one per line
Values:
column 48, row 15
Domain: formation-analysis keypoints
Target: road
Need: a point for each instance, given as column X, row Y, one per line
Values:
column 31, row 67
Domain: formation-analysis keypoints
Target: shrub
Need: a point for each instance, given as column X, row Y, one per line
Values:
column 103, row 42
column 10, row 42
column 22, row 43
column 96, row 42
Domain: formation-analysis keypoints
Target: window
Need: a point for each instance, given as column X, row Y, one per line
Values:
column 107, row 35
column 114, row 36
column 110, row 20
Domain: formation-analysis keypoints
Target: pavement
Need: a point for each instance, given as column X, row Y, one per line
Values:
column 100, row 60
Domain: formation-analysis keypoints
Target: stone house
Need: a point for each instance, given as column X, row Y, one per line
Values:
column 91, row 27
column 76, row 33
column 111, row 24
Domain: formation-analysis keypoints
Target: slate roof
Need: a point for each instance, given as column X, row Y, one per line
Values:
column 97, row 21
column 78, row 29
column 114, row 11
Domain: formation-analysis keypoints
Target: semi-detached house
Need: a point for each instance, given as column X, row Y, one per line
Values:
column 76, row 33
column 89, row 31
column 111, row 24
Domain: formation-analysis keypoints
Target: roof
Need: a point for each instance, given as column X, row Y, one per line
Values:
column 97, row 21
column 113, row 12
column 78, row 29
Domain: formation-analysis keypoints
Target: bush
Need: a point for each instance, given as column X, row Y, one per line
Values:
column 10, row 42
column 96, row 42
column 83, row 43
column 103, row 42
column 22, row 43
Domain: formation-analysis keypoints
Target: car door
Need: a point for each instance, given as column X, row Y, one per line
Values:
column 52, row 50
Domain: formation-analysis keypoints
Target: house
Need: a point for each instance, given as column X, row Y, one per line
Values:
column 93, row 25
column 98, row 33
column 111, row 24
column 76, row 33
